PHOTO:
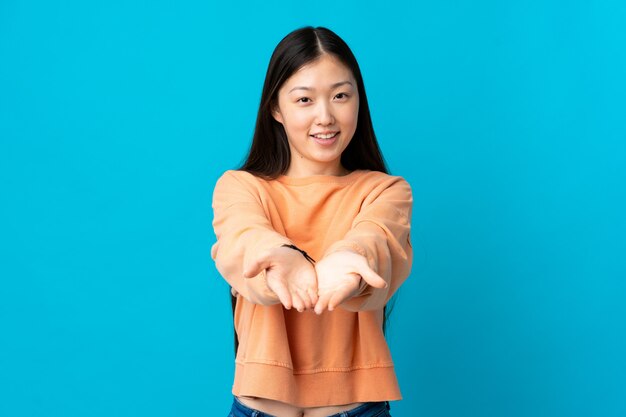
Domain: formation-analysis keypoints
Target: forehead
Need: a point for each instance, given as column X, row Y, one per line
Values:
column 320, row 74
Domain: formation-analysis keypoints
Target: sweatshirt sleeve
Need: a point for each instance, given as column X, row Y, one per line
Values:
column 243, row 231
column 381, row 233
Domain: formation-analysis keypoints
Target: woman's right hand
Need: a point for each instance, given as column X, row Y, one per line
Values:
column 289, row 275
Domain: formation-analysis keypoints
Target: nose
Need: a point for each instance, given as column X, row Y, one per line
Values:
column 324, row 115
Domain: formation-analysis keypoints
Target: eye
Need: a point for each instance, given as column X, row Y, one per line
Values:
column 342, row 94
column 302, row 98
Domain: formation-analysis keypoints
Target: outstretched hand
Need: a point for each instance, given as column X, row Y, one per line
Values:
column 289, row 275
column 339, row 276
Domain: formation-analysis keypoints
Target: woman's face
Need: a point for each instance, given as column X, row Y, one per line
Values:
column 321, row 97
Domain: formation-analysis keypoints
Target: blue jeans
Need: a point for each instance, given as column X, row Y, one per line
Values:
column 369, row 409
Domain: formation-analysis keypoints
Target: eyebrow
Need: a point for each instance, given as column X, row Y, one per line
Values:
column 313, row 89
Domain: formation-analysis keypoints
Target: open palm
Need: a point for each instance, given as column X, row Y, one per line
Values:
column 339, row 276
column 289, row 275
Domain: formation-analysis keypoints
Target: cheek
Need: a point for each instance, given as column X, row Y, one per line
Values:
column 350, row 115
column 298, row 120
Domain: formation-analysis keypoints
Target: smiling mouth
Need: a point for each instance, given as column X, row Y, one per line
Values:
column 325, row 137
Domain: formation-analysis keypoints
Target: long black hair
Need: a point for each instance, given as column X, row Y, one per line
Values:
column 269, row 155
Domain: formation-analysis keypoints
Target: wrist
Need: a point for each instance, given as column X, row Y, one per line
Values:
column 306, row 255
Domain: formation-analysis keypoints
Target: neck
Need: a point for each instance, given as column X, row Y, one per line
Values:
column 337, row 171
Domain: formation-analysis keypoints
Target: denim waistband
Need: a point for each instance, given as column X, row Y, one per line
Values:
column 367, row 409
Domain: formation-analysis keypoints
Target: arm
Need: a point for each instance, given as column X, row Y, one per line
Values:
column 381, row 234
column 243, row 233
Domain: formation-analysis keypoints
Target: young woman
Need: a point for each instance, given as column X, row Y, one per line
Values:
column 313, row 238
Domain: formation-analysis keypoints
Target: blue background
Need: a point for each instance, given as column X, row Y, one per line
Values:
column 507, row 118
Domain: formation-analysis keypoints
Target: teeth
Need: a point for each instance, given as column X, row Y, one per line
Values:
column 325, row 136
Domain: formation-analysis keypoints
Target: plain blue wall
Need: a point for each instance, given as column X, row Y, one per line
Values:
column 507, row 118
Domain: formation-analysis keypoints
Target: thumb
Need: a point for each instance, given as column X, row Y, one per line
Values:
column 255, row 267
column 372, row 278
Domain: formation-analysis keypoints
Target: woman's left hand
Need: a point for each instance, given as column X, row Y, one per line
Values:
column 339, row 276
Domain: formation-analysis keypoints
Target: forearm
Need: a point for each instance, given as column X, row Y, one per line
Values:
column 232, row 256
column 388, row 252
column 243, row 232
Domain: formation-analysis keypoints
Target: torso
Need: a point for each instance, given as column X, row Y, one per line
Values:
column 316, row 354
column 281, row 409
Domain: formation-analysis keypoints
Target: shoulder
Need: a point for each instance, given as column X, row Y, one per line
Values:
column 387, row 195
column 238, row 185
column 237, row 175
column 234, row 177
column 376, row 180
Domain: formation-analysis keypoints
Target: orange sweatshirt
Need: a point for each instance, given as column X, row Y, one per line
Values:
column 303, row 359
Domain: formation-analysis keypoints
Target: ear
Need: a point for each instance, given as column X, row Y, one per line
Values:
column 276, row 114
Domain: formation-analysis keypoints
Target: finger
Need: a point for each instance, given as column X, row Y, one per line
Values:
column 322, row 303
column 255, row 267
column 306, row 300
column 283, row 295
column 313, row 288
column 338, row 297
column 372, row 278
column 312, row 295
column 297, row 302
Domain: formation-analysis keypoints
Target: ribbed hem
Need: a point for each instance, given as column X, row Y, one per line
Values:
column 316, row 389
